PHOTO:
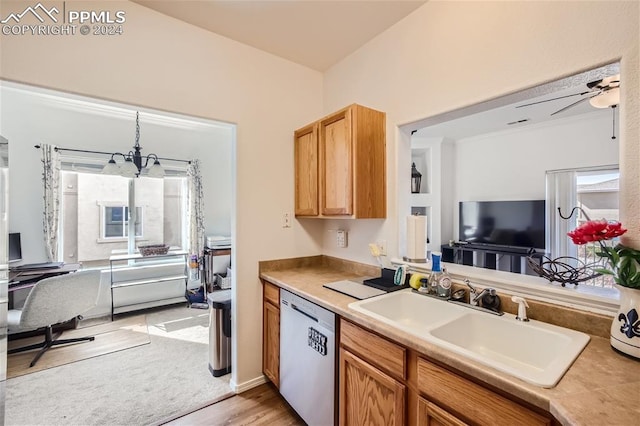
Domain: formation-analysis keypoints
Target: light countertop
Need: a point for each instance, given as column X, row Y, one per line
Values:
column 601, row 387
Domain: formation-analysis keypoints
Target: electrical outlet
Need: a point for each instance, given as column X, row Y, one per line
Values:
column 286, row 220
column 382, row 247
column 341, row 236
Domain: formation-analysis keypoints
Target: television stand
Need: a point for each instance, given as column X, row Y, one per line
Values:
column 509, row 259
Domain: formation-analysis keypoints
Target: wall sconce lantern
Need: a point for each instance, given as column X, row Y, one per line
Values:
column 416, row 179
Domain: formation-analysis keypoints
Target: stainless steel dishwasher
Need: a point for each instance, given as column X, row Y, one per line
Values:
column 307, row 358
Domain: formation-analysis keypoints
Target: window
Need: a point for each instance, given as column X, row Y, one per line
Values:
column 115, row 222
column 96, row 214
column 595, row 191
column 597, row 195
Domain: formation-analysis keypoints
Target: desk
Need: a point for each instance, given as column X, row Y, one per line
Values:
column 27, row 278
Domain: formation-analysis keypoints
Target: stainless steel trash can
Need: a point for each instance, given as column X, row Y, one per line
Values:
column 219, row 332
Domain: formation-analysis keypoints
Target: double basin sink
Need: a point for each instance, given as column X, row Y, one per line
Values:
column 536, row 352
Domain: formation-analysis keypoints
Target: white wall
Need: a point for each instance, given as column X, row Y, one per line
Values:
column 34, row 116
column 511, row 165
column 448, row 55
column 162, row 63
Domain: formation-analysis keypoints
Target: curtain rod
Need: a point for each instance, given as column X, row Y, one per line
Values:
column 108, row 153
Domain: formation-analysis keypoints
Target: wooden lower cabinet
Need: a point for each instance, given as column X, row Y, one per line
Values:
column 470, row 400
column 271, row 337
column 429, row 414
column 367, row 395
column 383, row 383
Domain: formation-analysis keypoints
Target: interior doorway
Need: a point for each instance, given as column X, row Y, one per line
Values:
column 85, row 126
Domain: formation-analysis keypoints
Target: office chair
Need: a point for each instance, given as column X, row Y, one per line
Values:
column 52, row 301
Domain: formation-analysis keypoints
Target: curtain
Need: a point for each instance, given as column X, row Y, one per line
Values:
column 561, row 193
column 51, row 196
column 196, row 209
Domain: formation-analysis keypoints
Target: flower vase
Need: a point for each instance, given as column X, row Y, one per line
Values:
column 625, row 329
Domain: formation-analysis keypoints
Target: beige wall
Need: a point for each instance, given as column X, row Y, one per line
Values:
column 163, row 63
column 443, row 56
column 448, row 55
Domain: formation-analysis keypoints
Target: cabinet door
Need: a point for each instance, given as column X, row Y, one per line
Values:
column 471, row 400
column 306, row 171
column 430, row 414
column 271, row 343
column 367, row 395
column 336, row 164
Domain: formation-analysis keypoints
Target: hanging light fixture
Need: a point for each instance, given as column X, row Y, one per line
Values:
column 133, row 165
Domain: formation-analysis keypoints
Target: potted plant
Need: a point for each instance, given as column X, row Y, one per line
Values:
column 623, row 263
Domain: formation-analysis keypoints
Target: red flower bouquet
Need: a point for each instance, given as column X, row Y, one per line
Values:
column 596, row 230
column 624, row 262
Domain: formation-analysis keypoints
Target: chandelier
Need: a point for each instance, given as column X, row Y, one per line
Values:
column 133, row 165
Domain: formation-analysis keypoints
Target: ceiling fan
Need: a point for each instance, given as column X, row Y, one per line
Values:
column 602, row 93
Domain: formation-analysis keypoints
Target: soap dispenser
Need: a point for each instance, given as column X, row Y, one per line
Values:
column 436, row 273
column 522, row 308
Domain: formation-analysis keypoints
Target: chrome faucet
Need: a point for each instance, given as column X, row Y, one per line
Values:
column 472, row 293
column 488, row 290
column 493, row 304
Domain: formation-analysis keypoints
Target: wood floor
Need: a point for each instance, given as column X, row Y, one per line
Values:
column 261, row 405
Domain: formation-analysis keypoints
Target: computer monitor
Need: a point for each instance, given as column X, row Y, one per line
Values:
column 15, row 248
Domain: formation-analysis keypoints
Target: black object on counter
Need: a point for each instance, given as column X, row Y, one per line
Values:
column 385, row 282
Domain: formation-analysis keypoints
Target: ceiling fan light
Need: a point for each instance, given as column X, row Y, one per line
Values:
column 606, row 99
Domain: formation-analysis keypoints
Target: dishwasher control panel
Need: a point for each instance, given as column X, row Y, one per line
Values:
column 322, row 316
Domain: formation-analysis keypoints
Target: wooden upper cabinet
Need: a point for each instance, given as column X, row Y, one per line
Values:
column 336, row 164
column 306, row 169
column 351, row 165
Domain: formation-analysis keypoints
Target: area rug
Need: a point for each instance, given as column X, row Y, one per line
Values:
column 138, row 386
column 109, row 337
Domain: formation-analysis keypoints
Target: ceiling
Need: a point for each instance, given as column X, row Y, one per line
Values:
column 313, row 33
column 507, row 112
column 320, row 33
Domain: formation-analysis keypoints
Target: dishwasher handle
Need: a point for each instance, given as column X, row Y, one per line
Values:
column 295, row 308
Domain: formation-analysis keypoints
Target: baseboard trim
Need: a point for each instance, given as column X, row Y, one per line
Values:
column 195, row 408
column 249, row 384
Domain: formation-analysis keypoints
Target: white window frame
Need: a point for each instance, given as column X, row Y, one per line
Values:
column 103, row 222
column 80, row 164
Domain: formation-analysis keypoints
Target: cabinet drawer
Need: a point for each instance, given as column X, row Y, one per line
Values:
column 470, row 400
column 271, row 293
column 382, row 353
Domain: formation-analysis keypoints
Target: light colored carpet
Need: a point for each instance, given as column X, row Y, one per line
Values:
column 109, row 337
column 138, row 386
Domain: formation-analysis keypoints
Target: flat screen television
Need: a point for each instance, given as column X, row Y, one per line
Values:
column 517, row 224
column 15, row 247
